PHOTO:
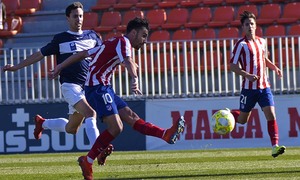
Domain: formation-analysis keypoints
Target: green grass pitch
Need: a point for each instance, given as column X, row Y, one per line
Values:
column 189, row 164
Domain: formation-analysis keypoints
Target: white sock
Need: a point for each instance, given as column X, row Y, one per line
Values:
column 90, row 160
column 57, row 124
column 92, row 131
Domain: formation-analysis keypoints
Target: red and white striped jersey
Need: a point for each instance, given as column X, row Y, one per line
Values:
column 251, row 56
column 105, row 59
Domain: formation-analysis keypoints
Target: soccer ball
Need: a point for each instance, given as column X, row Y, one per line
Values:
column 222, row 122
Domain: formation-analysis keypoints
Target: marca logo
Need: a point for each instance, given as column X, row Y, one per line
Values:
column 19, row 137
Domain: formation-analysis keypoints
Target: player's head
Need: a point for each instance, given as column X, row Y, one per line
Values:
column 137, row 32
column 74, row 14
column 248, row 21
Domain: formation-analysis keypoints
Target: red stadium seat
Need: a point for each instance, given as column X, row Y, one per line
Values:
column 212, row 2
column 168, row 3
column 176, row 18
column 110, row 20
column 235, row 2
column 205, row 33
column 291, row 13
column 28, row 7
column 269, row 13
column 160, row 35
column 147, row 4
column 190, row 3
column 90, row 21
column 156, row 18
column 241, row 9
column 228, row 32
column 104, row 5
column 125, row 4
column 199, row 17
column 294, row 30
column 275, row 30
column 222, row 16
column 182, row 34
column 129, row 15
column 14, row 26
column 11, row 6
column 258, row 1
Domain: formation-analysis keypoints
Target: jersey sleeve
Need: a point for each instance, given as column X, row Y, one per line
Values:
column 51, row 48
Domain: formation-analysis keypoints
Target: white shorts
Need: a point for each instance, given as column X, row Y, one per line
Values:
column 72, row 93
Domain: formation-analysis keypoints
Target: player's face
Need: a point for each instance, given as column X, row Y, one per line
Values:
column 249, row 27
column 75, row 20
column 140, row 38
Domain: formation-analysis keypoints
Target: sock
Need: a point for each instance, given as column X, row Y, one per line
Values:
column 148, row 128
column 101, row 143
column 235, row 114
column 273, row 131
column 92, row 131
column 57, row 124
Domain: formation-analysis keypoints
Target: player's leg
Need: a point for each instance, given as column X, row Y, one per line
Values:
column 267, row 104
column 169, row 135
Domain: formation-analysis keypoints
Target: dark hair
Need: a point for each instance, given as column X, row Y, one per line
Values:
column 137, row 24
column 73, row 6
column 246, row 15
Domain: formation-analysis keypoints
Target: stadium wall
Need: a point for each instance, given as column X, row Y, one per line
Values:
column 16, row 131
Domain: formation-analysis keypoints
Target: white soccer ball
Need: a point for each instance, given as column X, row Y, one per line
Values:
column 222, row 122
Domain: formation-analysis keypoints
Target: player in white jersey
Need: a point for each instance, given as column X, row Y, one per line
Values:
column 250, row 60
column 71, row 79
column 101, row 96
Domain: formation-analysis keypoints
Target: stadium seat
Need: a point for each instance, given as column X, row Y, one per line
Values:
column 90, row 21
column 259, row 31
column 205, row 33
column 222, row 16
column 28, row 7
column 125, row 4
column 294, row 30
column 168, row 3
column 112, row 34
column 235, row 2
column 269, row 13
column 275, row 30
column 156, row 18
column 199, row 17
column 213, row 2
column 190, row 3
column 129, row 15
column 147, row 4
column 104, row 5
column 241, row 9
column 110, row 20
column 14, row 26
column 182, row 34
column 258, row 1
column 176, row 18
column 291, row 13
column 11, row 6
column 160, row 35
column 228, row 32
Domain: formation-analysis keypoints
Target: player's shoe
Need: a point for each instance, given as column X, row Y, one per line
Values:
column 86, row 168
column 39, row 120
column 102, row 156
column 171, row 135
column 277, row 150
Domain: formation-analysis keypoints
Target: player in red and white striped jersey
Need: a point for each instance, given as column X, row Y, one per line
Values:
column 250, row 61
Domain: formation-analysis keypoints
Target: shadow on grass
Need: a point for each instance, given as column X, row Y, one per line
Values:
column 204, row 175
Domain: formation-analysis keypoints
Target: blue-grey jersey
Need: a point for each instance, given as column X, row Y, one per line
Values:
column 68, row 43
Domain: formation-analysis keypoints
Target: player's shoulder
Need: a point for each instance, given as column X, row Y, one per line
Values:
column 91, row 33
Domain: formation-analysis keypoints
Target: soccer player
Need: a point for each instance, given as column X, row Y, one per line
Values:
column 71, row 79
column 251, row 54
column 101, row 96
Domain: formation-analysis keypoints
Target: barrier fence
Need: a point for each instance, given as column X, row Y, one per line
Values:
column 170, row 69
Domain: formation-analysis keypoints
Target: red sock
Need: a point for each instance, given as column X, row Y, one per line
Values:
column 273, row 131
column 148, row 128
column 101, row 143
column 235, row 114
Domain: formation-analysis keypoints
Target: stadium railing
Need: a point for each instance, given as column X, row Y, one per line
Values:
column 167, row 69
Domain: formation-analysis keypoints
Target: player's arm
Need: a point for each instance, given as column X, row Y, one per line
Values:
column 132, row 70
column 70, row 60
column 273, row 67
column 35, row 57
column 239, row 71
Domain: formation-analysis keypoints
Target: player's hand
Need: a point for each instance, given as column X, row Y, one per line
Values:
column 55, row 72
column 9, row 67
column 135, row 86
column 278, row 72
column 253, row 77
